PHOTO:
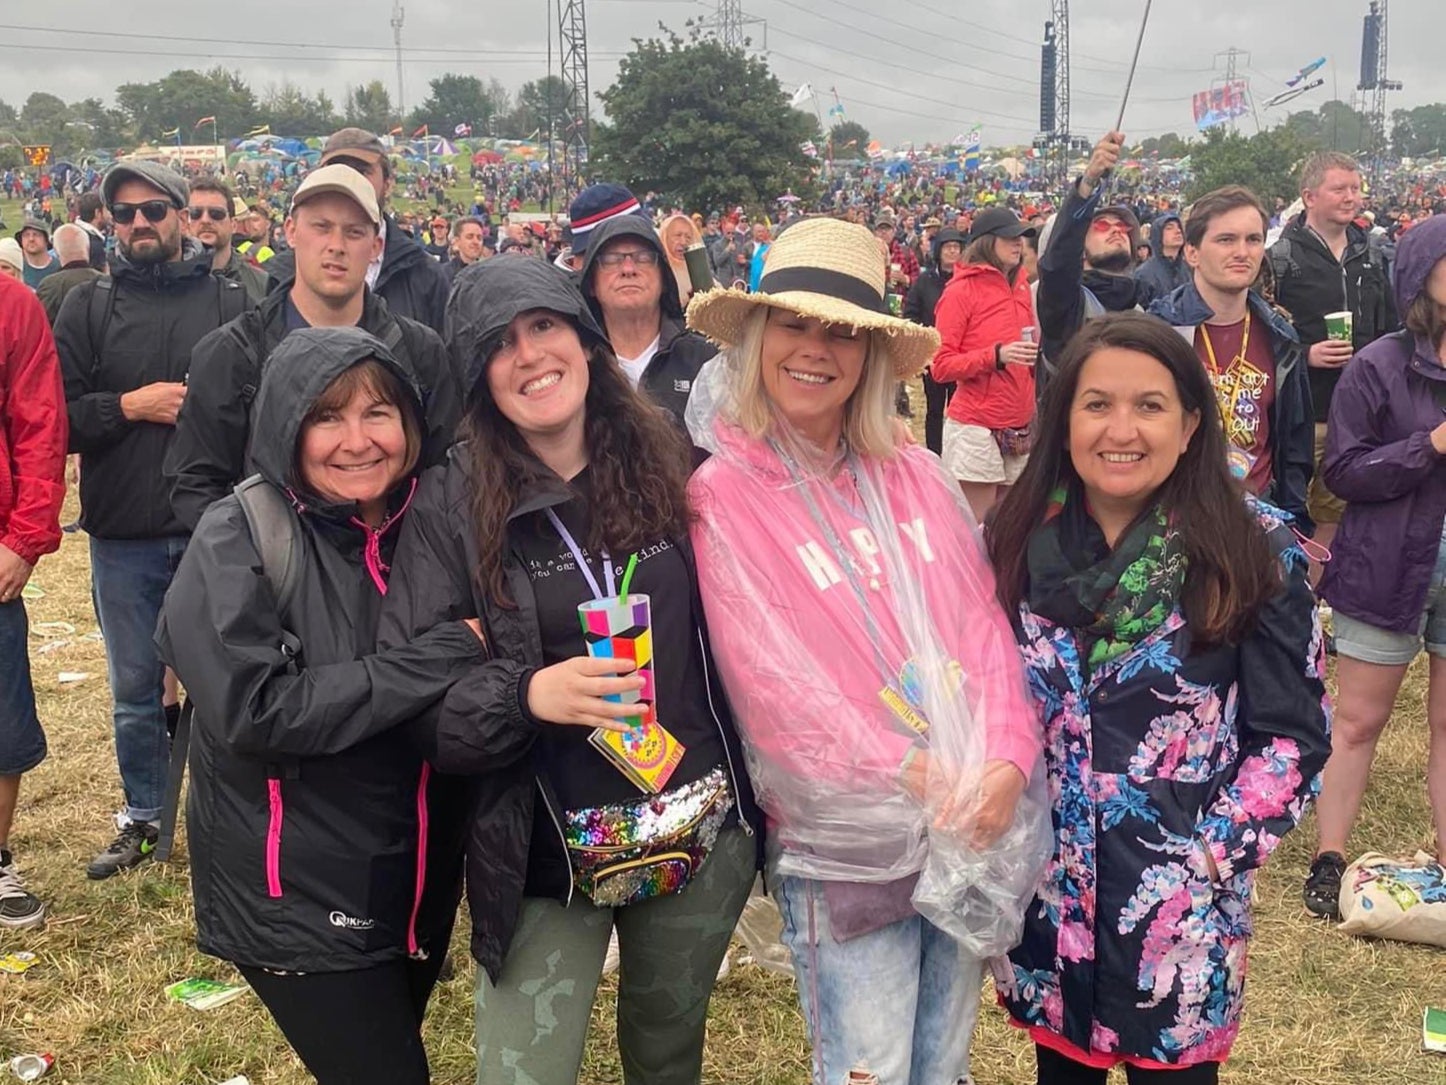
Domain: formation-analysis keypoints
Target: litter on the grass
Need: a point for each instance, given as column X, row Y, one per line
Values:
column 17, row 963
column 202, row 994
column 69, row 678
column 32, row 591
column 1433, row 1030
column 239, row 1079
column 51, row 630
column 31, row 1067
column 52, row 646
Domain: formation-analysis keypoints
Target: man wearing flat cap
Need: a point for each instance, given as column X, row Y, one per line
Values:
column 408, row 280
column 125, row 343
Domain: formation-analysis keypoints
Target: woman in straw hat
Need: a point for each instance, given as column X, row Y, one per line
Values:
column 872, row 675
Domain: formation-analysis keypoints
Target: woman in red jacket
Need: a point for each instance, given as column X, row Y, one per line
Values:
column 984, row 319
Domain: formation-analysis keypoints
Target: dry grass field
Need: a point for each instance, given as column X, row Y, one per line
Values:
column 1323, row 1009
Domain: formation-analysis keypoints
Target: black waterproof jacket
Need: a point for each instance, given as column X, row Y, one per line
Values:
column 480, row 727
column 668, row 379
column 305, row 810
column 1160, row 275
column 209, row 454
column 923, row 296
column 411, row 281
column 1309, row 283
column 115, row 335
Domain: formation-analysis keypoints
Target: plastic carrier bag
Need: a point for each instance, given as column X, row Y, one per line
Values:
column 854, row 623
column 1403, row 900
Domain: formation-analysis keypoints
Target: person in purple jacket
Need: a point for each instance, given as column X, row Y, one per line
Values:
column 1386, row 456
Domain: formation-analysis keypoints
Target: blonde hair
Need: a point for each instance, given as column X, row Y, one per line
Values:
column 868, row 414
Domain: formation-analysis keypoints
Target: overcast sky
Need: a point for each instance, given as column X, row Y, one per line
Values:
column 907, row 70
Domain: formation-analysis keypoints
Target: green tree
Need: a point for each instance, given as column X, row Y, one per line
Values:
column 97, row 125
column 290, row 111
column 1170, row 145
column 850, row 139
column 1268, row 163
column 8, row 117
column 538, row 104
column 369, row 106
column 183, row 97
column 706, row 125
column 1419, row 131
column 456, row 99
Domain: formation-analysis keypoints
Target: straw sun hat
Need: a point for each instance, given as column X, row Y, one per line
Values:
column 826, row 269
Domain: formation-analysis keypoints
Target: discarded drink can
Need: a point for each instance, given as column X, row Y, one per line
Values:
column 31, row 1067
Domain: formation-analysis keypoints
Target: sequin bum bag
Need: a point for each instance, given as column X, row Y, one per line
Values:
column 628, row 852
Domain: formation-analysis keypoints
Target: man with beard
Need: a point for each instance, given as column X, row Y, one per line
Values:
column 1086, row 259
column 210, row 219
column 125, row 345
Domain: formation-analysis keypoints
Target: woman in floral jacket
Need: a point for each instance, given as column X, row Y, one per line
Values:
column 1172, row 648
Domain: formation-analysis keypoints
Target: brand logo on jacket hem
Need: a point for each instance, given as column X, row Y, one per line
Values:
column 351, row 923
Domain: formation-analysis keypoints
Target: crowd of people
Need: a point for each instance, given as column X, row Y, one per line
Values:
column 588, row 568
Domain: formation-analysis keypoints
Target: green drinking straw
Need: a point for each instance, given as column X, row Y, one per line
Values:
column 628, row 575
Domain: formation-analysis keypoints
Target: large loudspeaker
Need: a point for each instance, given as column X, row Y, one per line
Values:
column 1370, row 50
column 1046, row 80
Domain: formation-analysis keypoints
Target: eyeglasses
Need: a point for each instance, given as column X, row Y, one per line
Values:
column 153, row 210
column 640, row 257
column 215, row 214
column 1109, row 226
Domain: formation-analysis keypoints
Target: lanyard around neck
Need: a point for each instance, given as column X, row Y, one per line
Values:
column 582, row 564
column 1210, row 347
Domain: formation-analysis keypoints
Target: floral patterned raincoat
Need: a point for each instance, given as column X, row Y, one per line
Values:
column 1131, row 952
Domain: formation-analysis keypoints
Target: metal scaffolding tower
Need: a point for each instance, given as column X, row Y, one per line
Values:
column 398, row 16
column 1055, row 142
column 728, row 22
column 1375, row 84
column 577, row 125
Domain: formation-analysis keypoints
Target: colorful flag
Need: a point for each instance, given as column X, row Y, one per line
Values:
column 397, row 131
column 463, row 129
column 875, row 150
column 809, row 148
column 422, row 131
column 204, row 120
column 260, row 130
column 1220, row 104
column 972, row 149
column 170, row 133
column 803, row 94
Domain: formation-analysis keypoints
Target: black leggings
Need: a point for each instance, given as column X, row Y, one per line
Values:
column 936, row 398
column 1057, row 1069
column 354, row 1028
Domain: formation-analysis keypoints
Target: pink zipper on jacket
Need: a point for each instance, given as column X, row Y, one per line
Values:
column 372, row 553
column 426, row 776
column 273, row 838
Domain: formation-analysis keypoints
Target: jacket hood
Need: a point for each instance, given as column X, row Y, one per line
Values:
column 297, row 372
column 1419, row 250
column 195, row 263
column 1158, row 227
column 1185, row 308
column 630, row 226
column 489, row 294
column 948, row 233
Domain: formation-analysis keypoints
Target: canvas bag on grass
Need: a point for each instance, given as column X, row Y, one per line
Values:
column 1403, row 900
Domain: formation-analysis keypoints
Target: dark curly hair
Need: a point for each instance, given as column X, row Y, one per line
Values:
column 638, row 459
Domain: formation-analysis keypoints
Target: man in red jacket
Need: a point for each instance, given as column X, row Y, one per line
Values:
column 33, row 435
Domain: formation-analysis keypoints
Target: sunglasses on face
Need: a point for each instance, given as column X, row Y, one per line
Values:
column 215, row 214
column 1109, row 226
column 640, row 257
column 154, row 211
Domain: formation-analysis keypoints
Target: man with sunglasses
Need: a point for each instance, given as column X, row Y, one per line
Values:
column 210, row 219
column 125, row 343
column 629, row 285
column 334, row 232
column 410, row 281
column 1086, row 259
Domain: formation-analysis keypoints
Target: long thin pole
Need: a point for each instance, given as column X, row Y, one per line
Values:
column 551, row 159
column 1130, row 81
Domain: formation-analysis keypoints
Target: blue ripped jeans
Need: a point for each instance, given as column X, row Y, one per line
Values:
column 898, row 1003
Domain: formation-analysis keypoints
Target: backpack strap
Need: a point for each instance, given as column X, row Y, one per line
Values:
column 1282, row 260
column 98, row 316
column 276, row 533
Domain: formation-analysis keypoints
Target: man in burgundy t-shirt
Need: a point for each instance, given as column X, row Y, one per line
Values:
column 1245, row 392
